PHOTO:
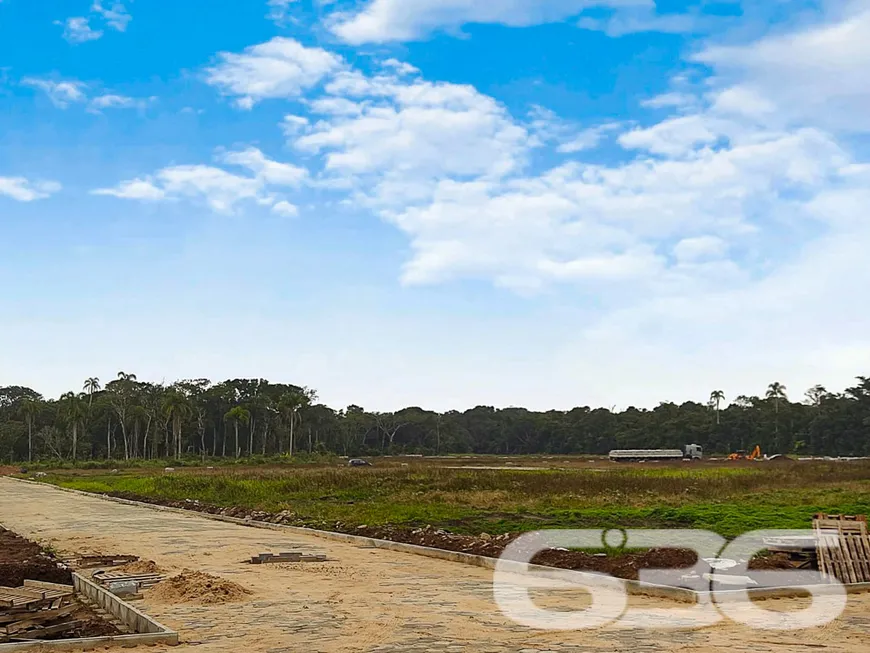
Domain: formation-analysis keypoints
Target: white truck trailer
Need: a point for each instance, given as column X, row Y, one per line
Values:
column 688, row 452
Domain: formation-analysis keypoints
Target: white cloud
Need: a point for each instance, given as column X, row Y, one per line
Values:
column 671, row 100
column 64, row 93
column 219, row 189
column 135, row 189
column 582, row 221
column 293, row 125
column 285, row 209
column 113, row 101
column 116, row 16
column 280, row 68
column 78, row 30
column 645, row 20
column 415, row 130
column 816, row 75
column 381, row 21
column 337, row 106
column 700, row 247
column 675, row 136
column 61, row 94
column 569, row 138
column 279, row 10
column 448, row 166
column 270, row 172
column 587, row 139
column 401, row 67
column 24, row 190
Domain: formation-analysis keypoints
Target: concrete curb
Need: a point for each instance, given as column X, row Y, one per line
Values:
column 630, row 586
column 145, row 629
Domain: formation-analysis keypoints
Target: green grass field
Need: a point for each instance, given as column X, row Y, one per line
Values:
column 726, row 499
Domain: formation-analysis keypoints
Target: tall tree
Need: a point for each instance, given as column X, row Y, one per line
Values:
column 776, row 391
column 238, row 415
column 290, row 405
column 74, row 410
column 91, row 385
column 121, row 396
column 29, row 409
column 177, row 408
column 716, row 397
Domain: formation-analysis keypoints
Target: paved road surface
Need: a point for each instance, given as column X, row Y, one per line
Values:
column 366, row 600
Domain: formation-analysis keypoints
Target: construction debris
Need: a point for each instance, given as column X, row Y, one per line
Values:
column 287, row 556
column 843, row 548
column 91, row 561
column 36, row 610
column 111, row 578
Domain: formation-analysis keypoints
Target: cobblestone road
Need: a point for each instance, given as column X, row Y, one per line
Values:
column 363, row 599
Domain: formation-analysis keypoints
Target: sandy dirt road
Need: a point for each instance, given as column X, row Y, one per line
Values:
column 363, row 600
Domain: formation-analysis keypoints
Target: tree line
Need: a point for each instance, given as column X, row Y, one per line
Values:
column 126, row 418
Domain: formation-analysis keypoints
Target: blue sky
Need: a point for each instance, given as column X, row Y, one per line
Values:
column 442, row 203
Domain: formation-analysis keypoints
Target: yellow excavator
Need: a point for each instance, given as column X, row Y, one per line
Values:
column 742, row 455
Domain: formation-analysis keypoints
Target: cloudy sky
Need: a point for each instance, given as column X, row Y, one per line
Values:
column 441, row 203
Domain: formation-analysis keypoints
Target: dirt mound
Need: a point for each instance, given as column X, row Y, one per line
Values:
column 22, row 559
column 197, row 587
column 621, row 565
column 140, row 567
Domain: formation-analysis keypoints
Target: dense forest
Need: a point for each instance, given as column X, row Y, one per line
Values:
column 126, row 418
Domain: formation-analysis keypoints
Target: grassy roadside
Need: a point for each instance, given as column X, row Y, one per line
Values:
column 727, row 500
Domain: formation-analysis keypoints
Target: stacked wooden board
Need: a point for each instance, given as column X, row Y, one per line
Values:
column 36, row 610
column 843, row 547
column 109, row 578
column 286, row 556
column 90, row 561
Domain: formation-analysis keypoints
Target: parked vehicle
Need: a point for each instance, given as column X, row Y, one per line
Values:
column 359, row 462
column 688, row 452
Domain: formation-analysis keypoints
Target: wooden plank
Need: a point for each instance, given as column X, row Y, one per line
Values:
column 847, row 555
column 850, row 562
column 822, row 554
column 24, row 592
column 117, row 576
column 40, row 618
column 38, row 633
column 857, row 548
column 861, row 551
column 39, row 584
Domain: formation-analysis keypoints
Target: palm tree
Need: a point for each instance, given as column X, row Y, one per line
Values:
column 177, row 407
column 74, row 412
column 91, row 386
column 776, row 391
column 235, row 415
column 29, row 408
column 716, row 397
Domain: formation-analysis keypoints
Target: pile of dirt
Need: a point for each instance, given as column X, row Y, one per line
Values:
column 22, row 559
column 139, row 567
column 197, row 587
column 621, row 565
